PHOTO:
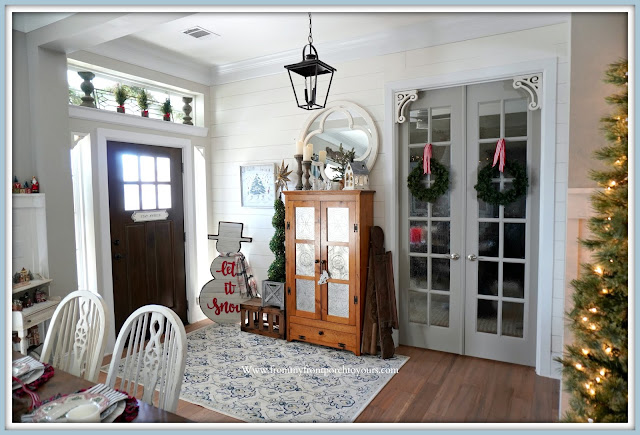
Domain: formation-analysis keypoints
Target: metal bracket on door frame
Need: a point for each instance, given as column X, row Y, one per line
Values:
column 533, row 85
column 402, row 99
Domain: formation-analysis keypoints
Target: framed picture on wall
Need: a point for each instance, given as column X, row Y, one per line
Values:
column 257, row 185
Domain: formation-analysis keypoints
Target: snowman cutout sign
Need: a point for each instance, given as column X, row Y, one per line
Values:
column 232, row 282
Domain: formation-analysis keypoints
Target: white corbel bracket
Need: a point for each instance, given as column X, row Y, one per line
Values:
column 402, row 99
column 532, row 84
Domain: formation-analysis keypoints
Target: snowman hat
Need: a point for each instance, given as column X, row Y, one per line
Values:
column 230, row 231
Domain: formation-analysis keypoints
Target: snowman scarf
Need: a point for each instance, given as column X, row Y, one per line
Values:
column 246, row 282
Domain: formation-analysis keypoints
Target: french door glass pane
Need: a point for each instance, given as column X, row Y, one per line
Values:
column 305, row 257
column 305, row 223
column 513, row 280
column 516, row 209
column 486, row 210
column 337, row 224
column 339, row 262
column 514, row 240
column 440, row 269
column 488, row 278
column 512, row 319
column 418, row 302
column 489, row 120
column 129, row 167
column 487, row 320
column 419, row 126
column 440, row 237
column 441, row 124
column 514, row 151
column 418, row 272
column 338, row 299
column 418, row 208
column 486, row 153
column 515, row 118
column 488, row 239
column 439, row 312
column 418, row 236
column 305, row 295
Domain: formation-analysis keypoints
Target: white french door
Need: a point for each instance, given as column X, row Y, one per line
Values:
column 467, row 269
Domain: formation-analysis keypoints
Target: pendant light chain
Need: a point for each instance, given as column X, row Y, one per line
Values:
column 310, row 36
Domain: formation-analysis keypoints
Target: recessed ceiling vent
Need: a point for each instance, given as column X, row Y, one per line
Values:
column 199, row 33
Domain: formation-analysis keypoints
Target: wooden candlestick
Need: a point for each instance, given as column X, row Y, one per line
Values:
column 298, row 158
column 307, row 174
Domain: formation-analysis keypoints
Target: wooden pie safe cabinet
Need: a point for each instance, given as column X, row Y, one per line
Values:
column 327, row 230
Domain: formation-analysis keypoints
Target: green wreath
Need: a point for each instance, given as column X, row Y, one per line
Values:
column 489, row 194
column 439, row 175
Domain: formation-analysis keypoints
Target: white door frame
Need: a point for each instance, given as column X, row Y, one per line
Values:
column 546, row 228
column 103, row 228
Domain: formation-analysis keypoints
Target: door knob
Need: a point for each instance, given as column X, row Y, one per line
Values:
column 118, row 256
column 454, row 256
column 472, row 257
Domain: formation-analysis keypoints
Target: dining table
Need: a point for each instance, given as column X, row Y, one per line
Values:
column 65, row 383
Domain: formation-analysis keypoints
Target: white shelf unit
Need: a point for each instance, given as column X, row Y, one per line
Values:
column 30, row 251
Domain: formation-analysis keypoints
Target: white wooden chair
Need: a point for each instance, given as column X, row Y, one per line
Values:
column 77, row 336
column 157, row 363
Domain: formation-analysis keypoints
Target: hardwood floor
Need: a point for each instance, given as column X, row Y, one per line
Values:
column 440, row 387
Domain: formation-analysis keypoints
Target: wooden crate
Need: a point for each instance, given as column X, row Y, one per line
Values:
column 255, row 318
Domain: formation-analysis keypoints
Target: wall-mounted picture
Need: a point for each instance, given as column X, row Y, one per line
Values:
column 257, row 185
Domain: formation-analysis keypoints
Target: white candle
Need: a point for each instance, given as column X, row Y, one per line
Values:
column 308, row 152
column 299, row 147
column 322, row 156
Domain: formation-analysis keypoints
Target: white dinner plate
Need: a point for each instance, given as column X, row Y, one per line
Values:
column 56, row 409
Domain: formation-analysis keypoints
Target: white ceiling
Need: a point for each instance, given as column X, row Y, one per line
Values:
column 29, row 21
column 249, row 35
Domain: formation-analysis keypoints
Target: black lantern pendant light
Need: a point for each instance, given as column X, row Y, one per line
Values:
column 310, row 68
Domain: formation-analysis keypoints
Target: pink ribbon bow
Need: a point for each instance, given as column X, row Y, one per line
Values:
column 426, row 159
column 499, row 154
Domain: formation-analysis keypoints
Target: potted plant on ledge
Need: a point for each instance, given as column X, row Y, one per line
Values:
column 166, row 110
column 144, row 99
column 121, row 94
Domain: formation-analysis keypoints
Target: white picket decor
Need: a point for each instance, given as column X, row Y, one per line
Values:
column 77, row 336
column 153, row 364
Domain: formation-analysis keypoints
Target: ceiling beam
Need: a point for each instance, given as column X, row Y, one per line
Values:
column 82, row 31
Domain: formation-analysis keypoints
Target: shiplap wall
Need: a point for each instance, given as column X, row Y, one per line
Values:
column 256, row 121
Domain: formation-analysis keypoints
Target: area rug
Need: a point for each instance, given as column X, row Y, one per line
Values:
column 262, row 379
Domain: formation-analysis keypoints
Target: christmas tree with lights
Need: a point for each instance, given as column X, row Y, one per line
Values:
column 595, row 367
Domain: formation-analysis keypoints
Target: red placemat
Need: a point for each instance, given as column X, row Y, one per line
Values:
column 48, row 373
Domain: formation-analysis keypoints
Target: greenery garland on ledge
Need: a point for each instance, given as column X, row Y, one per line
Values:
column 439, row 175
column 488, row 193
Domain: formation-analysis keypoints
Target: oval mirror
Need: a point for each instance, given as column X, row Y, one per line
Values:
column 342, row 123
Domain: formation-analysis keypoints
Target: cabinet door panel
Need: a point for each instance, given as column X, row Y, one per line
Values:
column 303, row 241
column 338, row 247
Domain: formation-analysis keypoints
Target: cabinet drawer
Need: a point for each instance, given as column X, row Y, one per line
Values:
column 34, row 315
column 324, row 336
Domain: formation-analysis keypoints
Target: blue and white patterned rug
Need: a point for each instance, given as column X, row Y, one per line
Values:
column 261, row 379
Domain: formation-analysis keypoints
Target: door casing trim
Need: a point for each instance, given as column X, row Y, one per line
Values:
column 102, row 135
column 548, row 68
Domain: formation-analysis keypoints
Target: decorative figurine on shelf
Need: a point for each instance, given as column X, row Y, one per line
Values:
column 17, row 305
column 40, row 296
column 356, row 176
column 25, row 188
column 232, row 282
column 35, row 186
column 16, row 185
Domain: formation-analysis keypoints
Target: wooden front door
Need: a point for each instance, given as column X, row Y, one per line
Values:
column 147, row 228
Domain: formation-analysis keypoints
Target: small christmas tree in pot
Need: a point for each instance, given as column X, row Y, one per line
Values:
column 144, row 98
column 121, row 94
column 273, row 287
column 166, row 110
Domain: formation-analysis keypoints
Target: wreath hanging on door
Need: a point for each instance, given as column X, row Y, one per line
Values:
column 439, row 175
column 488, row 193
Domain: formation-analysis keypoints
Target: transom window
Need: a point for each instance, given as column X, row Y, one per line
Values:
column 147, row 182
